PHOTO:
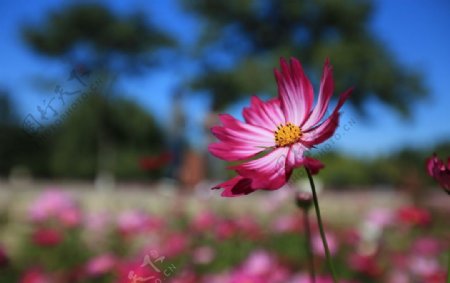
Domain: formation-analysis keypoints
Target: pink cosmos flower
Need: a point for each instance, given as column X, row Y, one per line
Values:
column 138, row 271
column 203, row 221
column 411, row 215
column 203, row 255
column 260, row 266
column 423, row 266
column 286, row 224
column 4, row 259
column 46, row 237
column 439, row 171
column 427, row 246
column 225, row 229
column 55, row 204
column 132, row 222
column 100, row 265
column 175, row 244
column 35, row 275
column 317, row 245
column 364, row 264
column 281, row 129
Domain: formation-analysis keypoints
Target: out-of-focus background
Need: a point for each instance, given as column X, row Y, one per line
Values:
column 106, row 107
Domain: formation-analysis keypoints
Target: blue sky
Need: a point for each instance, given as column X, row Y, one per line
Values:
column 415, row 31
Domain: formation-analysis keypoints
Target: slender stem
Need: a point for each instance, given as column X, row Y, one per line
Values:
column 319, row 221
column 312, row 272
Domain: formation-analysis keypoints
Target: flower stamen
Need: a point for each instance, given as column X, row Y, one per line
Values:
column 287, row 134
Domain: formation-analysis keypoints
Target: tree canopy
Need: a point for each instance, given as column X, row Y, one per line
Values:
column 94, row 35
column 103, row 133
column 242, row 41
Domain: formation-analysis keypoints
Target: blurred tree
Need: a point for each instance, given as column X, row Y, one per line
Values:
column 242, row 41
column 133, row 130
column 91, row 37
column 17, row 149
column 403, row 168
column 8, row 116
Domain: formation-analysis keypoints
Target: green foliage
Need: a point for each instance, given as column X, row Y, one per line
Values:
column 397, row 169
column 100, row 135
column 128, row 131
column 106, row 34
column 242, row 41
column 17, row 148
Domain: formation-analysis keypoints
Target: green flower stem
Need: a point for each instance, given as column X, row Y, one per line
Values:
column 312, row 272
column 319, row 221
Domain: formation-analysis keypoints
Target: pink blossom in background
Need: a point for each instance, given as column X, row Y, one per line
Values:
column 283, row 128
column 223, row 277
column 381, row 217
column 55, row 204
column 46, row 237
column 398, row 276
column 259, row 262
column 101, row 264
column 203, row 221
column 97, row 222
column 185, row 276
column 135, row 269
column 155, row 223
column 317, row 245
column 70, row 217
column 35, row 275
column 423, row 266
column 260, row 266
column 305, row 278
column 225, row 229
column 287, row 223
column 440, row 171
column 411, row 215
column 352, row 236
column 248, row 227
column 426, row 246
column 436, row 277
column 365, row 264
column 4, row 259
column 203, row 255
column 175, row 244
column 132, row 222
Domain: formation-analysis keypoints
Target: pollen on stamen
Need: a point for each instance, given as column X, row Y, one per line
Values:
column 287, row 134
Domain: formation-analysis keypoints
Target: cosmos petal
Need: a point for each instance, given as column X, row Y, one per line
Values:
column 237, row 186
column 297, row 159
column 267, row 172
column 295, row 91
column 238, row 140
column 313, row 165
column 324, row 131
column 264, row 114
column 325, row 93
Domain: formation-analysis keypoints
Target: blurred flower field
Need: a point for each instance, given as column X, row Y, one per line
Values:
column 59, row 236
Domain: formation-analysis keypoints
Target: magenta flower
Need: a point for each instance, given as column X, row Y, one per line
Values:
column 439, row 171
column 278, row 132
column 35, row 275
column 46, row 237
column 55, row 204
column 101, row 265
column 4, row 259
column 318, row 248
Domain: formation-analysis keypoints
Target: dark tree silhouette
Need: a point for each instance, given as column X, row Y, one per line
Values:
column 94, row 39
column 242, row 41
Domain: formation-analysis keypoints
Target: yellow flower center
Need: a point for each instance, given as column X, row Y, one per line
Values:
column 287, row 134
